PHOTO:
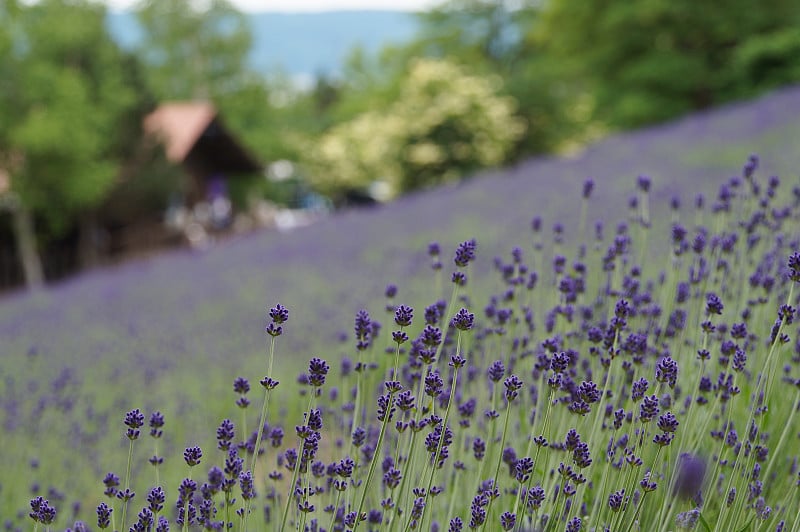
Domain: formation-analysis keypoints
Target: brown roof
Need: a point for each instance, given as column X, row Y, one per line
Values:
column 179, row 126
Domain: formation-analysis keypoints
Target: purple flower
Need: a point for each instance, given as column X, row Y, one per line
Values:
column 404, row 401
column 156, row 422
column 667, row 422
column 588, row 392
column 667, row 371
column 268, row 383
column 433, row 384
column 478, row 448
column 431, row 336
column 463, row 320
column 523, row 469
column 104, row 515
column 192, row 456
column 432, row 314
column 648, row 409
column 315, row 419
column 559, row 362
column 581, row 455
column 691, row 474
column 363, row 330
column 496, row 371
column 646, row 484
column 588, row 187
column 732, row 438
column 794, row 267
column 279, row 314
column 403, row 316
column 457, row 361
column 477, row 510
column 663, row 439
column 575, row 524
column 465, row 253
column 155, row 499
column 391, row 291
column 246, row 485
column 687, row 520
column 41, row 511
column 508, row 520
column 317, row 370
column 359, row 437
column 134, row 420
column 125, row 495
column 399, row 337
column 384, row 407
column 241, row 385
column 713, row 304
column 639, row 389
column 512, row 384
column 786, row 314
column 111, row 481
column 616, row 499
column 225, row 434
column 622, row 309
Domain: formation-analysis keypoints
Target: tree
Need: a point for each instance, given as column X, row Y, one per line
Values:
column 194, row 50
column 492, row 37
column 445, row 124
column 68, row 90
column 650, row 60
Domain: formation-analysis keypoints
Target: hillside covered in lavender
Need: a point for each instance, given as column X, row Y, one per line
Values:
column 206, row 306
column 176, row 329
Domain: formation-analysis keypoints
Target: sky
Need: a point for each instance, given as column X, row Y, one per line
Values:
column 312, row 5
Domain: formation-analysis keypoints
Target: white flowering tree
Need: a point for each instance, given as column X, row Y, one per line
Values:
column 444, row 124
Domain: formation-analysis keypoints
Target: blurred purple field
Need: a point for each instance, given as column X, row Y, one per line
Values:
column 185, row 307
column 178, row 328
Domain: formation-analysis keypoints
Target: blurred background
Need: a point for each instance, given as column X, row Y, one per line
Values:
column 127, row 128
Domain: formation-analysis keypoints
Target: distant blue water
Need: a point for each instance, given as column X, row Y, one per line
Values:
column 302, row 44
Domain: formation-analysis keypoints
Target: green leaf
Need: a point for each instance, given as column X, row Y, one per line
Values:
column 745, row 527
column 704, row 523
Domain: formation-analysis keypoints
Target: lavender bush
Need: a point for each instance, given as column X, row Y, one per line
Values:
column 590, row 388
column 608, row 369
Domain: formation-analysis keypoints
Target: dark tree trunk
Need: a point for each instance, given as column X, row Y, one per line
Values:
column 25, row 237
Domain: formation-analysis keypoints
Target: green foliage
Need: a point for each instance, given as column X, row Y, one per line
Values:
column 768, row 61
column 192, row 51
column 445, row 123
column 651, row 60
column 68, row 88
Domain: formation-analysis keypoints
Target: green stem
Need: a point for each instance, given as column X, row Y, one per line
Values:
column 497, row 468
column 127, row 482
column 764, row 384
column 375, row 458
column 450, row 402
column 296, row 469
column 259, row 428
column 786, row 427
column 185, row 526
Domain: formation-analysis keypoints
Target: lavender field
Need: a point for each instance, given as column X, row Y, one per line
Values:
column 557, row 374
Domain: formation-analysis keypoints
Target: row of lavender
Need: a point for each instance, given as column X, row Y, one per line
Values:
column 598, row 391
